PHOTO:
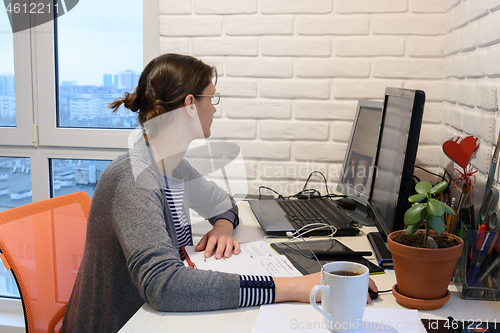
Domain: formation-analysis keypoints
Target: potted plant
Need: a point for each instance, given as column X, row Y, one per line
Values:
column 424, row 259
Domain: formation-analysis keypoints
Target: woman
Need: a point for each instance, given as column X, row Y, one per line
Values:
column 138, row 218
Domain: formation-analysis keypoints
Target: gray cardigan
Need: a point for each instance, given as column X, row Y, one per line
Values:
column 131, row 254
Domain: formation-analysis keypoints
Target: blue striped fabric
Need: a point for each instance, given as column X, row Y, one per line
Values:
column 174, row 192
column 256, row 290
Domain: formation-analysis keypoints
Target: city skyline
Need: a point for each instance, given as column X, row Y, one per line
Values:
column 88, row 45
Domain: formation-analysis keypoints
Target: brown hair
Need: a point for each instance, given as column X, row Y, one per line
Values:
column 164, row 84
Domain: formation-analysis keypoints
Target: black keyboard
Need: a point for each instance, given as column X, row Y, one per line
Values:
column 301, row 213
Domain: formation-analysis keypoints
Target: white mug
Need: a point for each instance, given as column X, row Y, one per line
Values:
column 343, row 298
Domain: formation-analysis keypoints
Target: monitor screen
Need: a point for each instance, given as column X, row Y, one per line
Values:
column 397, row 151
column 359, row 161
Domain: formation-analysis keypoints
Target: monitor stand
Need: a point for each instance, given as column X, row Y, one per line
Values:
column 379, row 246
column 360, row 214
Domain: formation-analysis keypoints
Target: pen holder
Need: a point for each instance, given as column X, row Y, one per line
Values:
column 479, row 266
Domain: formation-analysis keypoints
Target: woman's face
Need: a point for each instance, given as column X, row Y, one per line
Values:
column 205, row 109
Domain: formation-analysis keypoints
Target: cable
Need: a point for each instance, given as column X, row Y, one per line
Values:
column 317, row 260
column 324, row 179
column 321, row 227
column 443, row 177
column 384, row 291
column 311, row 192
column 270, row 189
column 432, row 173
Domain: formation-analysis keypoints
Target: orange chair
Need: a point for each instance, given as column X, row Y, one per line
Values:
column 42, row 243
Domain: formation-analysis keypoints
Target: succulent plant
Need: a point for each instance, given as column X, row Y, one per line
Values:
column 427, row 209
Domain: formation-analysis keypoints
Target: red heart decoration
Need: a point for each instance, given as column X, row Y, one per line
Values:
column 461, row 150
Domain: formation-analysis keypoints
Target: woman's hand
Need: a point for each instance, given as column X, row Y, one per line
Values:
column 372, row 286
column 220, row 239
column 297, row 289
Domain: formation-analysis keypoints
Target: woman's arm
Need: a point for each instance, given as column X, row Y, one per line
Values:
column 297, row 289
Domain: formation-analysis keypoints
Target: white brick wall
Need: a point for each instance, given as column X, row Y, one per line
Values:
column 471, row 79
column 291, row 72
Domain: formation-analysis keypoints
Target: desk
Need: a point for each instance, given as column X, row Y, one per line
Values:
column 241, row 320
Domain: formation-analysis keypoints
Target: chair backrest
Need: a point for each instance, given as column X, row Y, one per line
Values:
column 43, row 243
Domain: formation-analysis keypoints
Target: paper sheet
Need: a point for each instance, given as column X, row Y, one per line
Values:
column 301, row 317
column 255, row 258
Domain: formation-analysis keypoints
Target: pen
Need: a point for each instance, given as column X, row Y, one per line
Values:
column 449, row 217
column 493, row 242
column 488, row 271
column 489, row 282
column 481, row 278
column 341, row 254
column 476, row 246
column 472, row 219
column 464, row 221
column 484, row 249
column 461, row 204
column 472, row 236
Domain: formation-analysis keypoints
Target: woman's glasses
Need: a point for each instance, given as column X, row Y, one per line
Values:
column 215, row 98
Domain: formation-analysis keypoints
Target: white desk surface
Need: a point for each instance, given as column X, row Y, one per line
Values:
column 149, row 320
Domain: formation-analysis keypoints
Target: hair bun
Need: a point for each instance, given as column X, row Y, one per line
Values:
column 131, row 101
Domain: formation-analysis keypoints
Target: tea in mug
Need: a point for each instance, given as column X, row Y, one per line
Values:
column 345, row 273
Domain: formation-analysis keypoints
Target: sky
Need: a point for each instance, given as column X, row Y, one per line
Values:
column 96, row 37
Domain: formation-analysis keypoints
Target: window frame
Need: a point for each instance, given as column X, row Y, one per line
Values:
column 21, row 134
column 35, row 113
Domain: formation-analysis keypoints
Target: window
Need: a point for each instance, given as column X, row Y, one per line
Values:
column 7, row 89
column 100, row 58
column 69, row 176
column 15, row 182
column 58, row 78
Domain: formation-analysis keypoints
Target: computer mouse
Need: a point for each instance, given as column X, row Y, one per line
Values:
column 373, row 294
column 346, row 203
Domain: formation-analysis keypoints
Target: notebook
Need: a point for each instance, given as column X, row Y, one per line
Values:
column 276, row 219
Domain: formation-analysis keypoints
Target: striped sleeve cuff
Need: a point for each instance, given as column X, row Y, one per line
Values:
column 256, row 290
column 228, row 215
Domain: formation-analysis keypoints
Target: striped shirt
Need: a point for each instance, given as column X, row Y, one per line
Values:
column 174, row 192
column 254, row 289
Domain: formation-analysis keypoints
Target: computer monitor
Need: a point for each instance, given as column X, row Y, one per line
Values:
column 359, row 161
column 396, row 154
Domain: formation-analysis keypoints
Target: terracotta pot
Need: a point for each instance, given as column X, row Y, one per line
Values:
column 423, row 274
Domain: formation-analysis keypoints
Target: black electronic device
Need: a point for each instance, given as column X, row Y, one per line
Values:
column 395, row 162
column 299, row 253
column 357, row 168
column 314, row 217
column 373, row 294
column 346, row 203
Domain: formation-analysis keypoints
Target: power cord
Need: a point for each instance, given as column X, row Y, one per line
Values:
column 306, row 192
column 270, row 189
column 443, row 177
column 320, row 226
column 324, row 179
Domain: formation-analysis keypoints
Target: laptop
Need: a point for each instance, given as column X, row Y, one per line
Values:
column 277, row 218
column 358, row 168
column 355, row 182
